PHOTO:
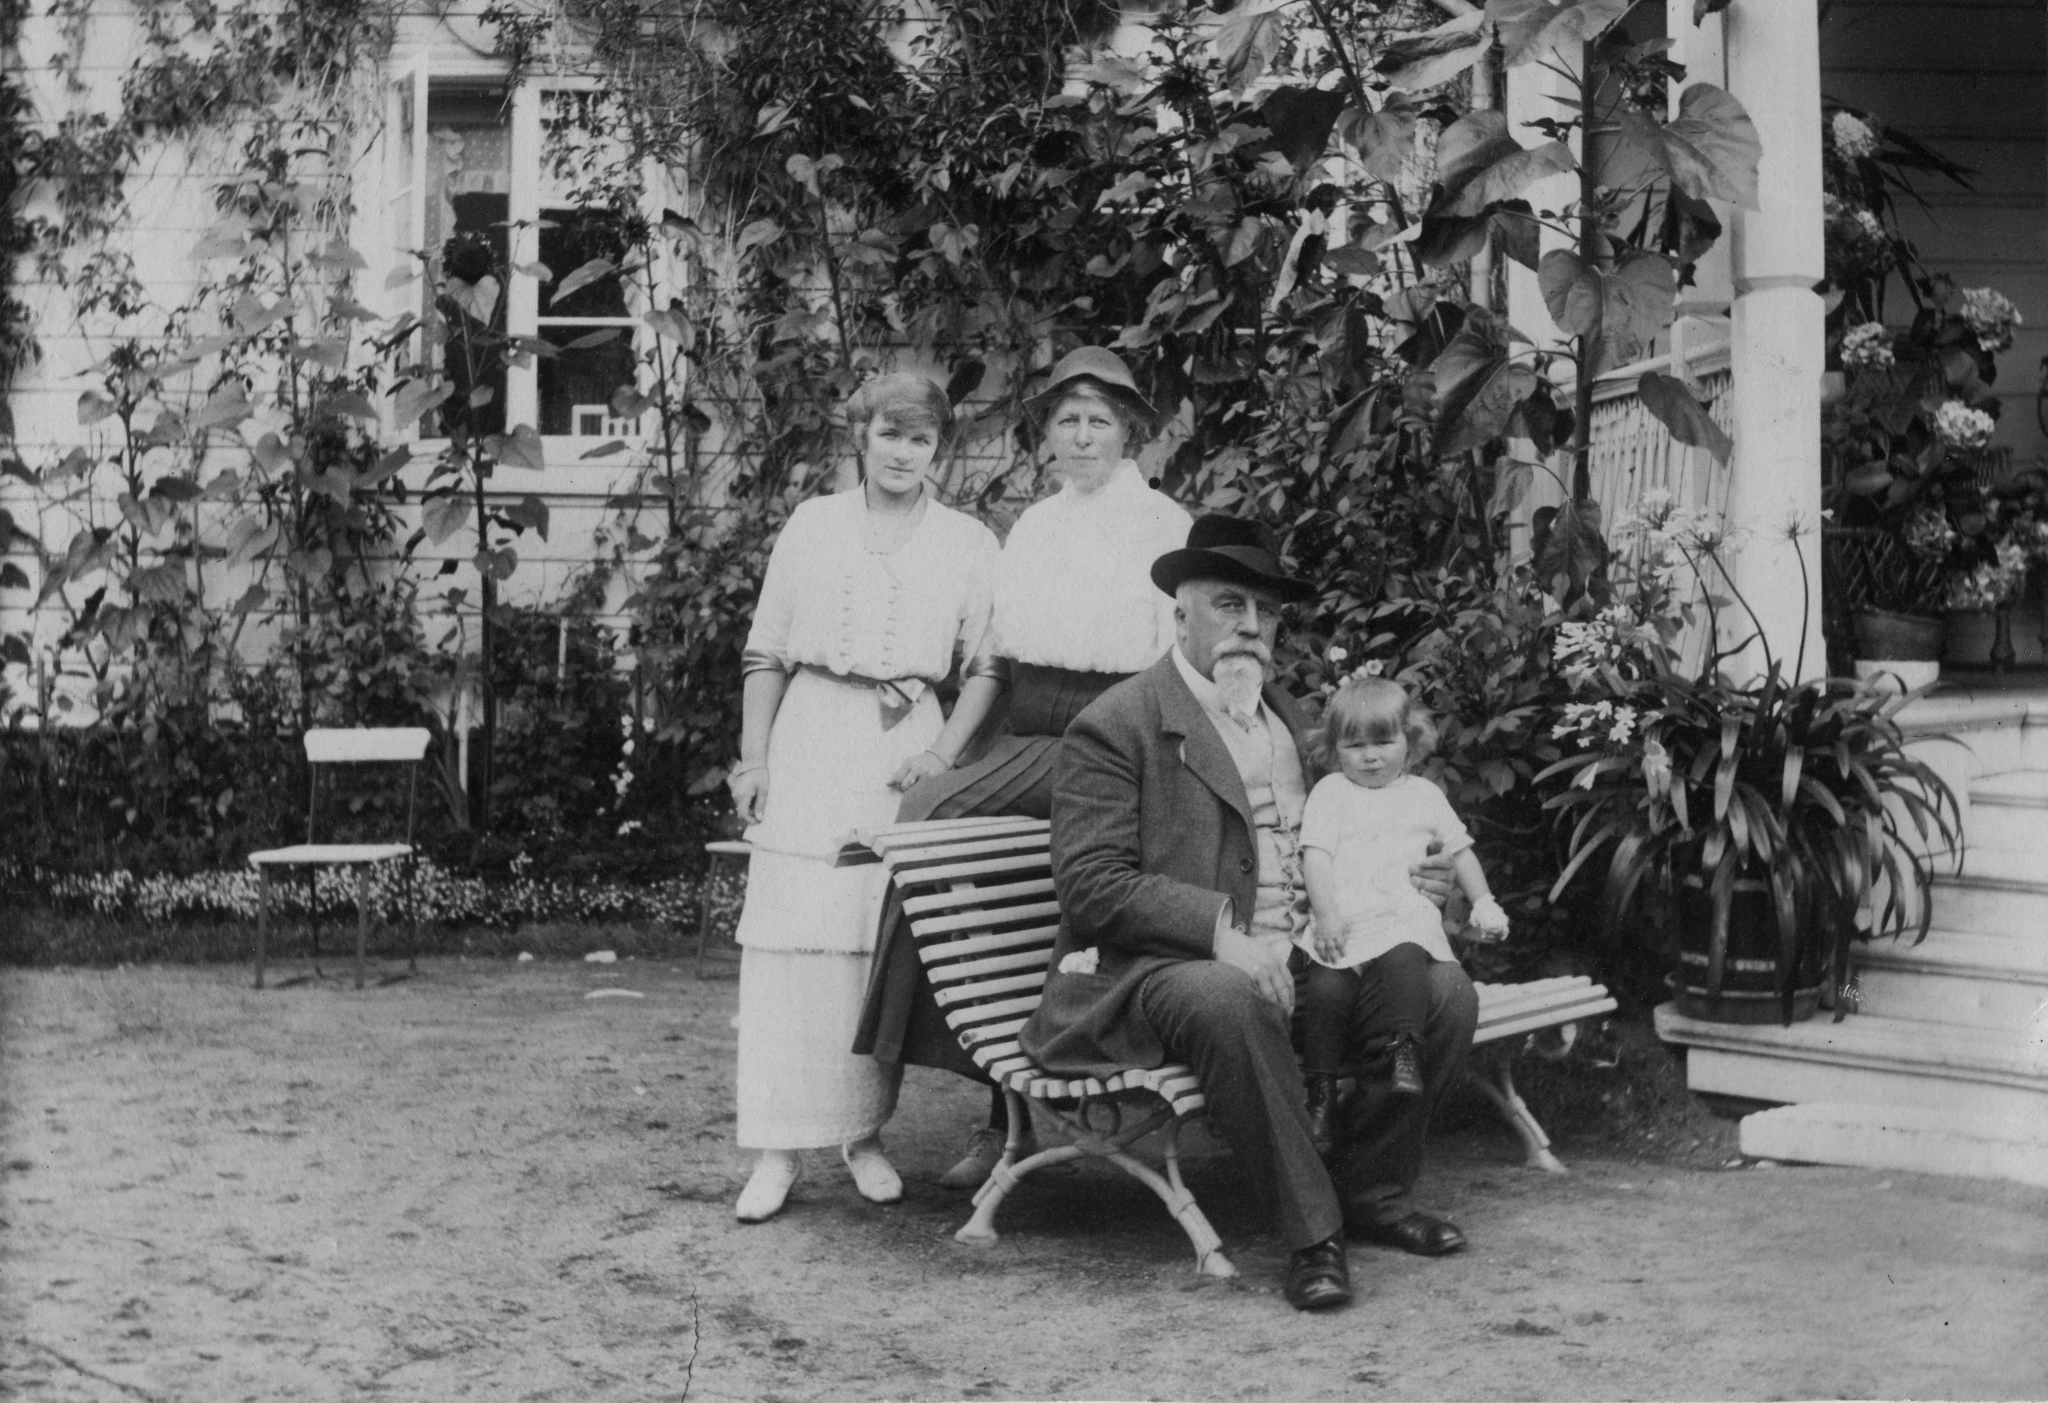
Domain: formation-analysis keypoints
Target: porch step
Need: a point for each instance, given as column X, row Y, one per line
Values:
column 1982, row 981
column 2009, row 813
column 1912, row 1138
column 1997, row 893
column 1870, row 1059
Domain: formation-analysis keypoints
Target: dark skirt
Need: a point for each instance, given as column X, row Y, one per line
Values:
column 1011, row 777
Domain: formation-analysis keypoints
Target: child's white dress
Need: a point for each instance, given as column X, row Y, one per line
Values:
column 1373, row 836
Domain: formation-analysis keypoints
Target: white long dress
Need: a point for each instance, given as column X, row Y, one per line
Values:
column 841, row 617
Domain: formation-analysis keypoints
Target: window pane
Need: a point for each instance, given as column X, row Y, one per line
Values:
column 570, row 238
column 469, row 168
column 469, row 192
column 576, row 387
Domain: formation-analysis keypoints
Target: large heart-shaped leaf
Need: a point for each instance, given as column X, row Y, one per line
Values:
column 1569, row 555
column 248, row 538
column 443, row 517
column 1383, row 139
column 1712, row 148
column 1419, row 61
column 1300, row 120
column 1620, row 312
column 416, row 397
column 1248, row 39
column 1530, row 29
column 1482, row 165
column 593, row 271
column 1674, row 406
column 1477, row 385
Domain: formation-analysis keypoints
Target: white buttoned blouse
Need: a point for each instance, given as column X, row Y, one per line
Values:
column 1074, row 585
column 830, row 602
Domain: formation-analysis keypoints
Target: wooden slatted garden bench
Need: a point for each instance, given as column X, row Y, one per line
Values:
column 978, row 894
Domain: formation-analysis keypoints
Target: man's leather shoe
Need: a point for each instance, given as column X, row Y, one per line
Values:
column 1317, row 1277
column 1418, row 1233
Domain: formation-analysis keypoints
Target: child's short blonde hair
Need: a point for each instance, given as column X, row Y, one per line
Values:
column 1375, row 710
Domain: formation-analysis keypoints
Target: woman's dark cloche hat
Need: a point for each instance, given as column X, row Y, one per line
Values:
column 1229, row 548
column 1096, row 363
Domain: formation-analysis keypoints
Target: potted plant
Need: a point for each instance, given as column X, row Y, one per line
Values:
column 1774, row 819
column 1907, row 415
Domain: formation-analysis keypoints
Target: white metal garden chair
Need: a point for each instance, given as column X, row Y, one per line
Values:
column 394, row 745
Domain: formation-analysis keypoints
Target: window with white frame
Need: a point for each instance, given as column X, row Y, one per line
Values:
column 475, row 172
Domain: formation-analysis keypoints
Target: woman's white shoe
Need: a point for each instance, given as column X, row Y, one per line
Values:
column 873, row 1175
column 768, row 1188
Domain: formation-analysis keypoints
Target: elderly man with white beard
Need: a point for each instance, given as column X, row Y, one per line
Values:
column 1175, row 824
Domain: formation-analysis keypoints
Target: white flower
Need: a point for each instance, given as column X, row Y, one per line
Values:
column 1656, row 767
column 1624, row 726
column 1080, row 961
column 1960, row 426
column 1336, row 654
column 1867, row 347
column 1869, row 225
column 631, row 825
column 1855, row 138
column 1991, row 315
column 1372, row 667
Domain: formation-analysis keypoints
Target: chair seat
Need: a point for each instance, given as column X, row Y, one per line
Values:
column 329, row 854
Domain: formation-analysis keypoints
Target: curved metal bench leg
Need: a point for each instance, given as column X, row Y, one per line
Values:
column 1520, row 1119
column 980, row 1230
column 1209, row 1258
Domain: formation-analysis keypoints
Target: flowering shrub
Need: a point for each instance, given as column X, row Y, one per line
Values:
column 1867, row 346
column 1959, row 426
column 1854, row 138
column 438, row 896
column 1991, row 585
column 1991, row 315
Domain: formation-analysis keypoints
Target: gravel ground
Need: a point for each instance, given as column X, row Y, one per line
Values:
column 485, row 1183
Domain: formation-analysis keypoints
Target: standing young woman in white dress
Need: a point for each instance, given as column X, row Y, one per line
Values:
column 1075, row 612
column 871, row 597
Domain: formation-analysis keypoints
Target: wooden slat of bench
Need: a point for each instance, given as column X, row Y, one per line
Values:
column 1034, row 847
column 978, row 896
column 972, row 1037
column 980, row 944
column 1035, row 979
column 1531, row 988
column 940, row 832
column 967, row 871
column 925, row 927
column 1544, row 1018
column 983, row 969
column 963, row 1018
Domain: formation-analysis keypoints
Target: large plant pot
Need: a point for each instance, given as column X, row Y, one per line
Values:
column 1896, row 649
column 1749, row 978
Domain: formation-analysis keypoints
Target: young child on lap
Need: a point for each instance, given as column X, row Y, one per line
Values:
column 1365, row 825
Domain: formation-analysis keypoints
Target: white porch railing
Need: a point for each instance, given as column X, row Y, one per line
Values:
column 1632, row 454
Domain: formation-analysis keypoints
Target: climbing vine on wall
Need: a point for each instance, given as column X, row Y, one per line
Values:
column 17, row 340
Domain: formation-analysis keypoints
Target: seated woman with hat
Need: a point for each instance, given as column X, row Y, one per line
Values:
column 1075, row 613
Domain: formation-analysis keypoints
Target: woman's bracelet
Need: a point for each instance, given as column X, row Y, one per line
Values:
column 746, row 767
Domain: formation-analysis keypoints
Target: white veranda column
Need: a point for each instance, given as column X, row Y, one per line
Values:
column 1773, row 55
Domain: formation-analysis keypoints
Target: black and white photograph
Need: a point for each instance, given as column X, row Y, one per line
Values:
column 779, row 701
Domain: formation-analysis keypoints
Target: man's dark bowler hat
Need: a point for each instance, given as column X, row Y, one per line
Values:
column 1229, row 548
